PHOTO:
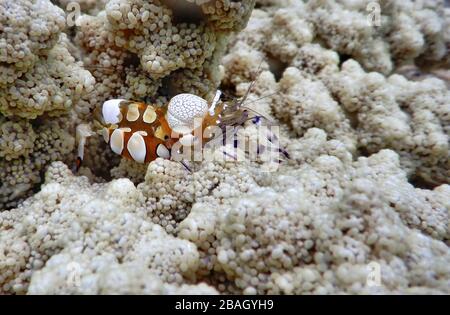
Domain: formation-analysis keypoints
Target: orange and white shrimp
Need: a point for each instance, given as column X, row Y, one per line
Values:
column 144, row 132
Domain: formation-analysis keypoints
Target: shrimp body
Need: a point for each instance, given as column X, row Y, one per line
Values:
column 143, row 132
column 136, row 131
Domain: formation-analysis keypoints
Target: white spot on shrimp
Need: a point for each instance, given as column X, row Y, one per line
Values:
column 111, row 111
column 149, row 115
column 116, row 141
column 162, row 151
column 133, row 112
column 136, row 147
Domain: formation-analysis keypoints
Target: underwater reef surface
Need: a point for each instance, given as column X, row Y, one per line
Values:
column 361, row 206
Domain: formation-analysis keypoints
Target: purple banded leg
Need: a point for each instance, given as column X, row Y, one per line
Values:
column 186, row 166
column 273, row 138
column 256, row 120
column 230, row 155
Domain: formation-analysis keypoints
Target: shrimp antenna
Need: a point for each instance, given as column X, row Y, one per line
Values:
column 259, row 115
column 261, row 98
column 252, row 84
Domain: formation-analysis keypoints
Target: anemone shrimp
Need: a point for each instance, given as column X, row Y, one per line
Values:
column 143, row 132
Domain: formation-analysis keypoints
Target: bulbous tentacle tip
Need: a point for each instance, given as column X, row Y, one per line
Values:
column 183, row 109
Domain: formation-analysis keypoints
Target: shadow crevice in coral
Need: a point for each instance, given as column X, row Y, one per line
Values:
column 185, row 11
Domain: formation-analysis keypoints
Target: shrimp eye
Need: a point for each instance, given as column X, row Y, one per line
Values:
column 166, row 137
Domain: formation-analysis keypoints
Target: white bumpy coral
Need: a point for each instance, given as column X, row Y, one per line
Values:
column 365, row 188
column 38, row 77
column 89, row 229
